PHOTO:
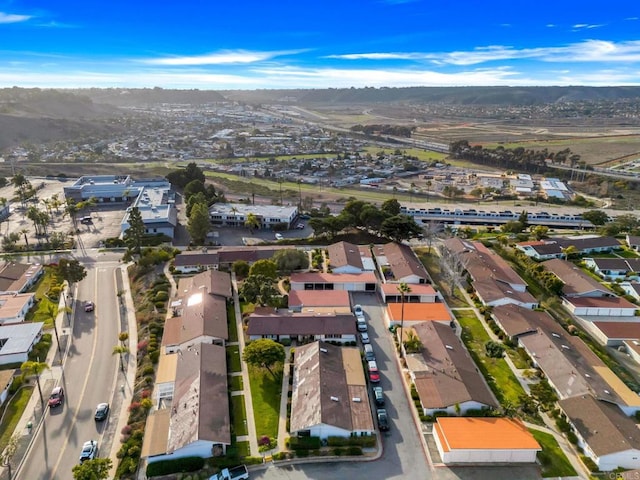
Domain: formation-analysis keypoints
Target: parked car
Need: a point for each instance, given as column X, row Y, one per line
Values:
column 364, row 337
column 374, row 373
column 357, row 310
column 383, row 420
column 368, row 352
column 89, row 306
column 300, row 226
column 86, row 220
column 89, row 451
column 102, row 411
column 279, row 236
column 378, row 396
column 57, row 397
column 361, row 323
column 236, row 473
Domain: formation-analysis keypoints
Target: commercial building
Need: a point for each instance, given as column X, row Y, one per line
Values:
column 236, row 214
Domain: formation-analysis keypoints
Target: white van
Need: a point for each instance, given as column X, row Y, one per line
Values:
column 368, row 352
column 361, row 324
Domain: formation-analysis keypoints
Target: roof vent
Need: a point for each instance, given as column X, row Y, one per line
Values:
column 565, row 347
column 587, row 375
column 449, row 347
column 555, row 335
column 356, row 399
column 324, row 350
column 607, row 392
column 335, row 399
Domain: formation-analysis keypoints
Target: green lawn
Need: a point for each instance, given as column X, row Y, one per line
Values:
column 502, row 380
column 233, row 359
column 231, row 319
column 13, row 414
column 239, row 414
column 626, row 253
column 235, row 383
column 243, row 449
column 44, row 310
column 265, row 392
column 552, row 459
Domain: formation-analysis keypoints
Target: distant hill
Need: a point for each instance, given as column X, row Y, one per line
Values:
column 442, row 95
column 139, row 97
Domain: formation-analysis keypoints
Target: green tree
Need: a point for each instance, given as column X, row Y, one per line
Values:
column 291, row 259
column 372, row 218
column 199, row 223
column 512, row 226
column 412, row 343
column 70, row 270
column 193, row 187
column 264, row 353
column 240, row 268
column 259, row 289
column 120, row 350
column 544, row 394
column 540, row 231
column 391, row 207
column 570, row 251
column 494, row 349
column 403, row 290
column 265, row 267
column 30, row 368
column 96, row 469
column 596, row 217
column 194, row 199
column 252, row 222
column 134, row 234
column 400, row 227
column 523, row 219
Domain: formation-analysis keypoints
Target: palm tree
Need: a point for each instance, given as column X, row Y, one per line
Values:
column 412, row 344
column 35, row 368
column 24, row 232
column 252, row 222
column 403, row 289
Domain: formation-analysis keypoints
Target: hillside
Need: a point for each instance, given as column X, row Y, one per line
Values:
column 140, row 97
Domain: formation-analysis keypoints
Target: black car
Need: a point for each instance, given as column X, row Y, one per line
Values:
column 383, row 420
column 102, row 411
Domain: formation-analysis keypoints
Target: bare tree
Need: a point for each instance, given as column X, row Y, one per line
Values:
column 431, row 231
column 8, row 454
column 452, row 267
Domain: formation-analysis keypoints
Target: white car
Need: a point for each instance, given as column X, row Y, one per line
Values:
column 89, row 451
column 279, row 236
column 364, row 337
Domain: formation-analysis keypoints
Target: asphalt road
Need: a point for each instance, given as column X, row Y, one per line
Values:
column 88, row 379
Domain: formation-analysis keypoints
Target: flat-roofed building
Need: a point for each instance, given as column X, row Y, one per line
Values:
column 420, row 293
column 283, row 324
column 14, row 308
column 484, row 440
column 236, row 215
column 17, row 340
column 327, row 301
column 363, row 282
column 418, row 312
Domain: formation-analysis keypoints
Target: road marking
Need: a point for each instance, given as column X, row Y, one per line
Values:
column 84, row 386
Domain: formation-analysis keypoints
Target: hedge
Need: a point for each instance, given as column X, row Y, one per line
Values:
column 364, row 441
column 166, row 467
column 304, row 443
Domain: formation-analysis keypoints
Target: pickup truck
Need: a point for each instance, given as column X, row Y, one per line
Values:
column 236, row 473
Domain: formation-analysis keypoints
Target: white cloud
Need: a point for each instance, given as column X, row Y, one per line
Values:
column 587, row 51
column 587, row 26
column 224, row 57
column 13, row 18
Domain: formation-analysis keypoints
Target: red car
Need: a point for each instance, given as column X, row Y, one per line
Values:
column 57, row 397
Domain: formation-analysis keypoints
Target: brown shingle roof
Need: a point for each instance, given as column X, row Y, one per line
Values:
column 203, row 314
column 403, row 262
column 200, row 407
column 516, row 320
column 195, row 259
column 343, row 254
column 601, row 302
column 619, row 330
column 302, row 324
column 587, row 242
column 322, row 393
column 319, row 298
column 576, row 282
column 211, row 281
column 604, row 427
column 451, row 376
column 14, row 276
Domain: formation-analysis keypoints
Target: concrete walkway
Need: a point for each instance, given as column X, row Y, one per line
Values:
column 248, row 404
column 282, row 420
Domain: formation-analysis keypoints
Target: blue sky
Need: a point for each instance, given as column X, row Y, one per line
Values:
column 248, row 44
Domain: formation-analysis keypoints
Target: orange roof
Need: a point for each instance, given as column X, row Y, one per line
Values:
column 419, row 312
column 416, row 289
column 485, row 433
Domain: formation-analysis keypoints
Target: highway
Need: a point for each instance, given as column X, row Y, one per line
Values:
column 88, row 379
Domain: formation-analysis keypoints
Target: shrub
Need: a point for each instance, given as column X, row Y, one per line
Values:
column 162, row 296
column 304, row 443
column 285, row 341
column 166, row 467
column 354, row 450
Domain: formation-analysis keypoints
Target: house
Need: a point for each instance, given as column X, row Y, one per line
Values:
column 609, row 437
column 19, row 277
column 329, row 393
column 614, row 334
column 14, row 307
column 344, row 257
column 600, row 306
column 202, row 318
column 420, row 293
column 327, row 301
column 445, row 376
column 633, row 241
column 576, row 282
column 612, row 269
column 165, row 377
column 281, row 325
column 418, row 312
column 494, row 281
column 632, row 289
column 190, row 262
column 6, row 380
column 212, row 282
column 399, row 264
column 587, row 244
column 573, row 369
column 633, row 348
column 515, row 320
column 484, row 440
column 363, row 282
column 198, row 421
column 17, row 340
column 541, row 250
